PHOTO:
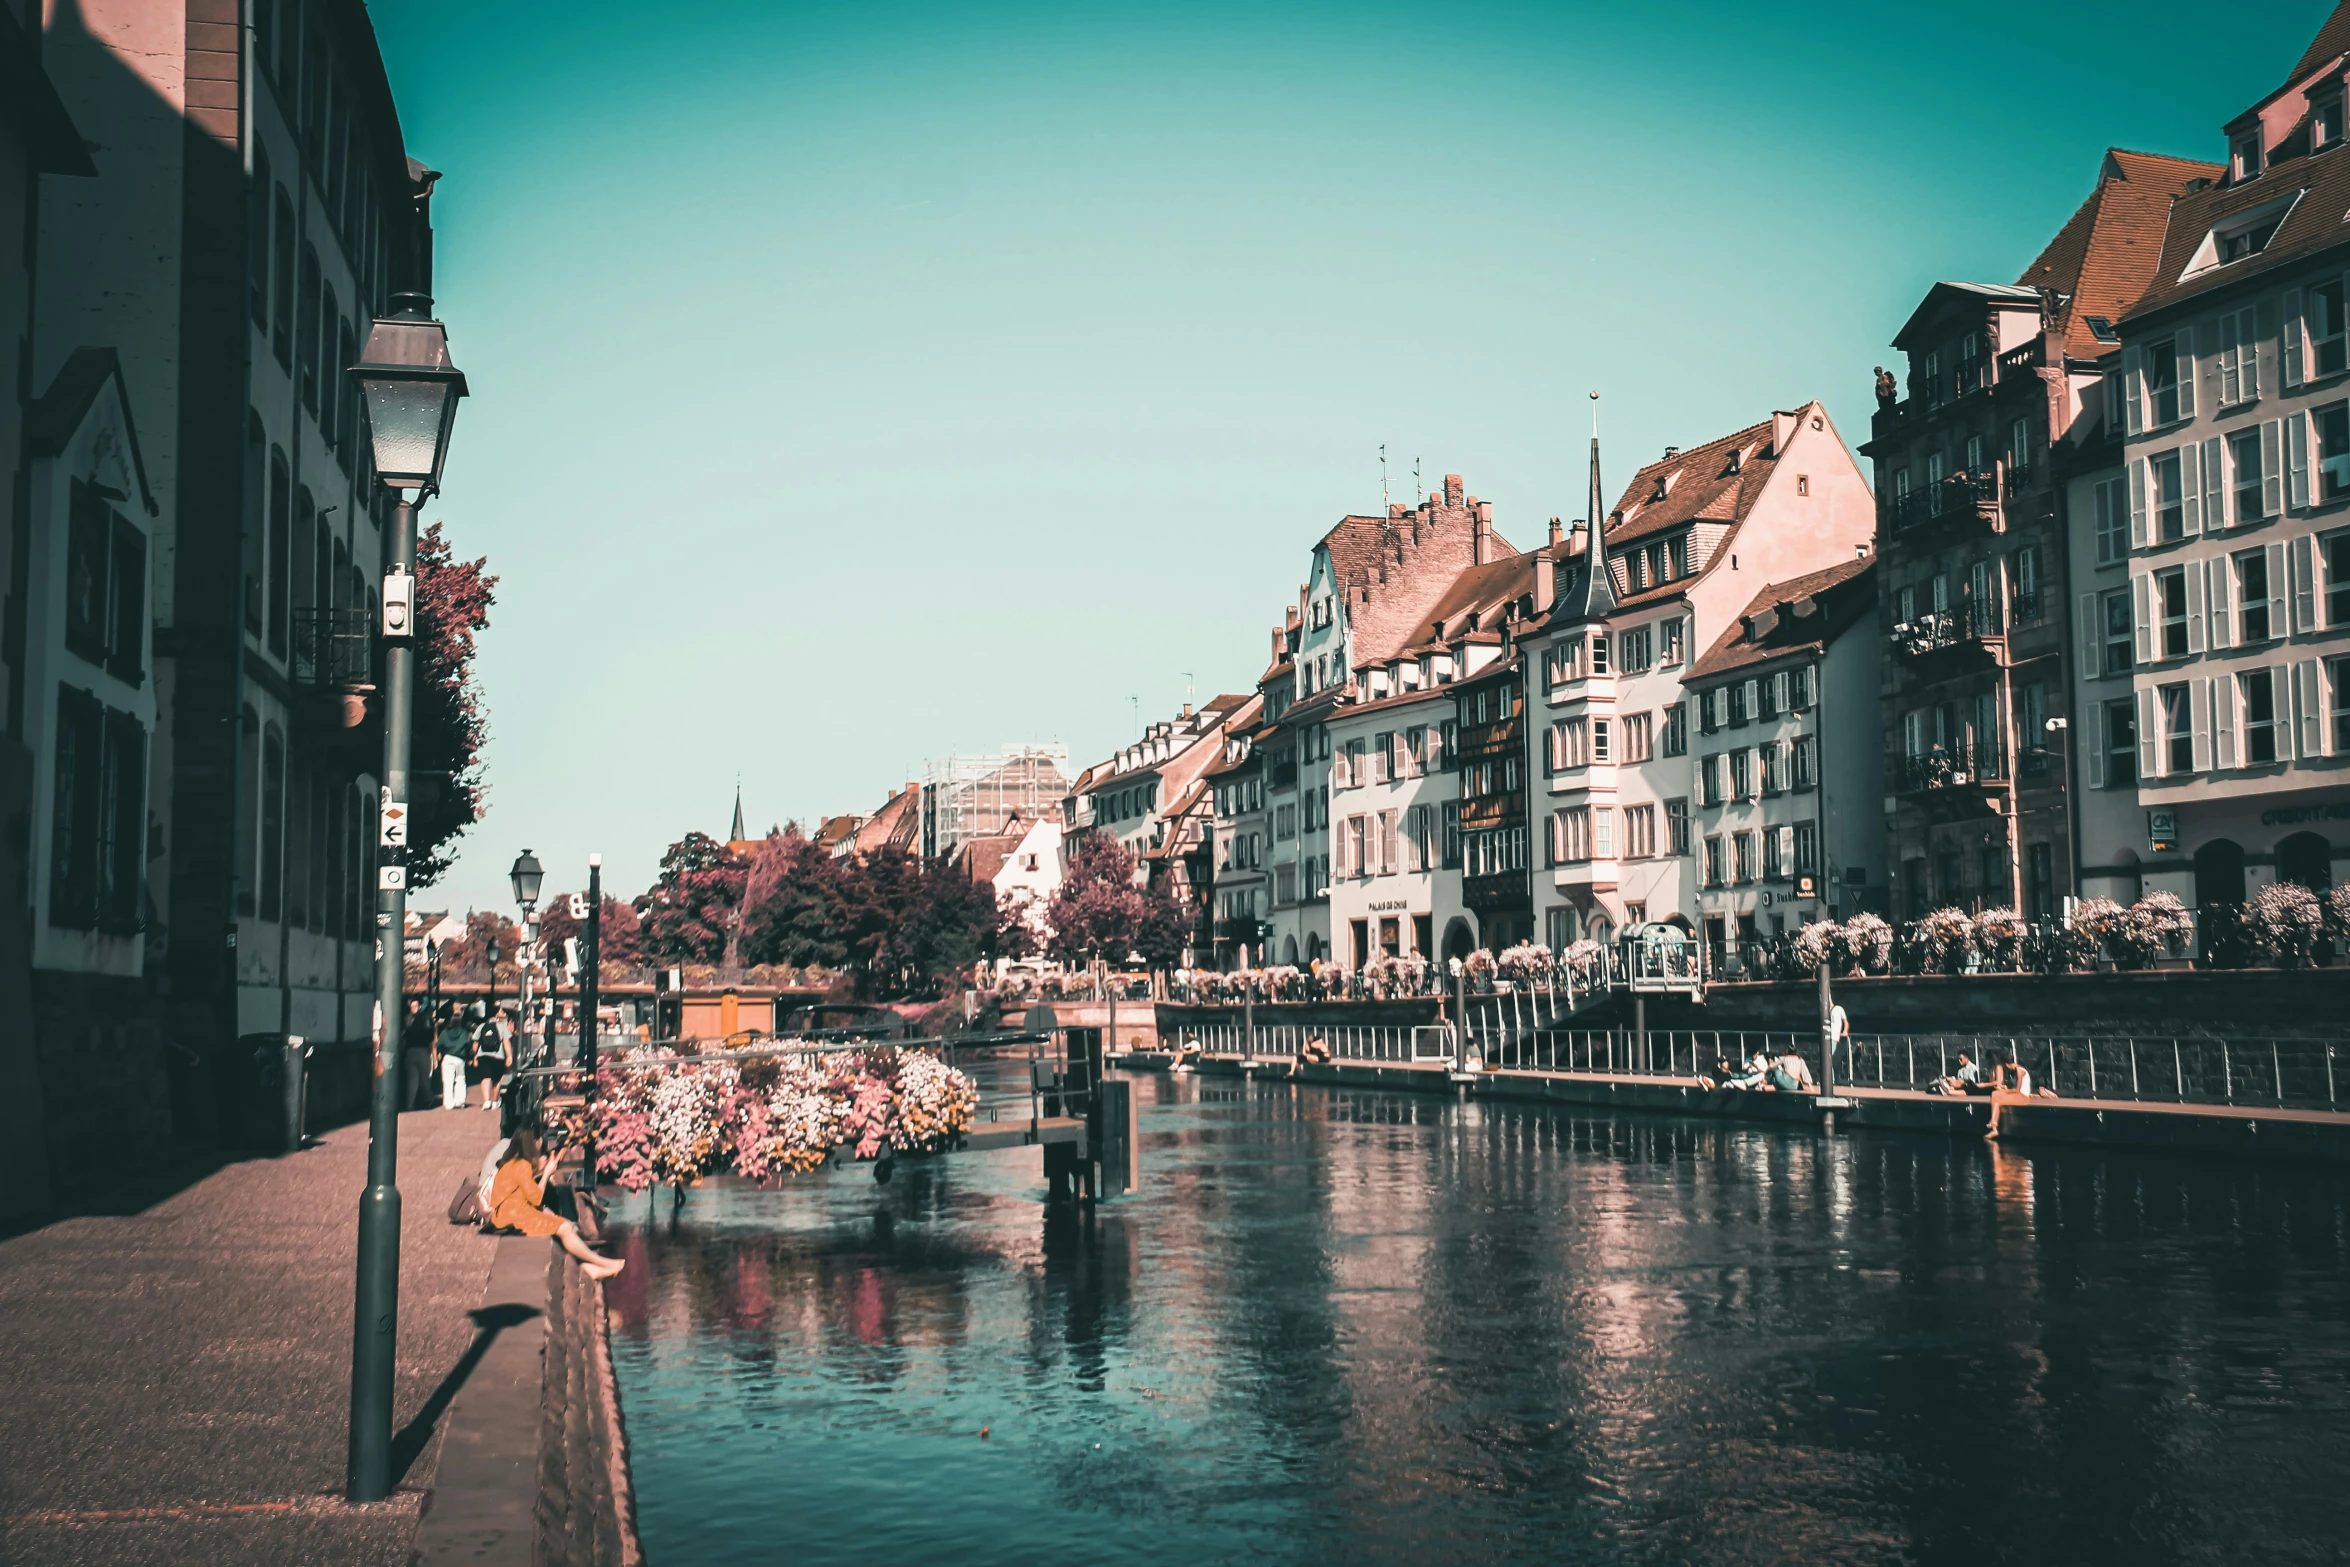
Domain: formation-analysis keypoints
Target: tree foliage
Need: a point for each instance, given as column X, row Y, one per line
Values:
column 619, row 932
column 691, row 908
column 453, row 599
column 1097, row 911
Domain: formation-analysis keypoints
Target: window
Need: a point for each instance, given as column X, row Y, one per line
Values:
column 1807, row 847
column 1677, row 716
column 2113, row 392
column 2019, row 446
column 1774, row 766
column 1633, row 651
column 2170, row 589
column 2257, row 688
column 1599, row 655
column 2337, row 559
column 1803, row 484
column 2169, row 498
column 2113, row 522
column 2121, row 745
column 2333, row 449
column 1742, row 855
column 2326, row 343
column 1600, row 734
column 1639, row 732
column 1669, row 647
column 1677, row 825
column 273, row 820
column 1569, row 744
column 281, row 335
column 1639, row 832
column 1562, row 664
column 2244, row 458
column 2178, row 729
column 1738, row 702
column 281, row 525
column 1800, row 692
column 2118, row 634
column 1452, row 835
column 1713, row 862
column 2341, row 689
column 1800, row 770
column 2031, row 715
column 1775, row 847
column 1570, row 835
column 1741, row 775
column 2325, row 122
column 2251, row 597
column 2162, row 384
column 1974, row 454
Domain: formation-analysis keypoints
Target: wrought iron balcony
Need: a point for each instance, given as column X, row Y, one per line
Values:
column 1968, row 624
column 1959, row 495
column 1964, row 765
column 334, row 649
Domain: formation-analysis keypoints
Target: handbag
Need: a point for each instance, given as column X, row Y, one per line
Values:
column 465, row 1207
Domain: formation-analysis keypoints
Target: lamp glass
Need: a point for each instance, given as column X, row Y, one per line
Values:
column 405, row 420
column 528, row 877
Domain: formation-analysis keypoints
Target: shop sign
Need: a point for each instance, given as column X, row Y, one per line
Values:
column 2162, row 831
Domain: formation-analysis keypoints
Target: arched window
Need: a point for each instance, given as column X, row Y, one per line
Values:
column 2307, row 860
column 273, row 821
column 2219, row 873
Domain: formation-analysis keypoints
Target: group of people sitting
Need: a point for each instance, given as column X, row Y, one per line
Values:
column 512, row 1197
column 1787, row 1073
column 2007, row 1083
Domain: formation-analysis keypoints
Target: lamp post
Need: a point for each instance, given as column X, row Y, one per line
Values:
column 411, row 389
column 591, row 960
column 490, row 1007
column 527, row 876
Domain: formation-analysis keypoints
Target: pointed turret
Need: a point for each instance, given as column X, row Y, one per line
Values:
column 1591, row 594
column 736, row 834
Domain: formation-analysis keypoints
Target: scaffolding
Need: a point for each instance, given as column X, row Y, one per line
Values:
column 967, row 797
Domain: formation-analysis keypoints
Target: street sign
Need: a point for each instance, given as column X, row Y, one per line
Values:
column 393, row 831
column 578, row 905
column 1807, row 887
column 391, row 878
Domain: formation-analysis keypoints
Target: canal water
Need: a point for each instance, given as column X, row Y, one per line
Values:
column 1341, row 1326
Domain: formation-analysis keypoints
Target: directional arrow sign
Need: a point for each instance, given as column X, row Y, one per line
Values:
column 394, row 831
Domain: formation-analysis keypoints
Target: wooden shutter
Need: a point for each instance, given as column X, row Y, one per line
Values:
column 2215, row 485
column 2223, row 721
column 2092, row 639
column 2191, row 489
column 2304, row 583
column 2194, row 610
column 2276, row 591
column 2133, row 396
column 2297, row 461
column 2317, row 736
column 2198, row 723
column 2148, row 750
column 2185, row 346
column 2272, row 468
column 2295, row 344
column 2222, row 627
column 2094, row 744
column 2138, row 504
column 2142, row 616
column 2230, row 366
column 2249, row 325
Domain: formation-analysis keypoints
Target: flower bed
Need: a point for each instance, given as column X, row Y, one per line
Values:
column 662, row 1117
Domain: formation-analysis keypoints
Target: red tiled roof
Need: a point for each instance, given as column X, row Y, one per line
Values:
column 2330, row 44
column 1703, row 485
column 1842, row 594
column 2107, row 251
column 2314, row 225
column 1481, row 589
column 893, row 825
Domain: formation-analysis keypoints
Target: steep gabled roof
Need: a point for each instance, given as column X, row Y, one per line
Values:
column 1837, row 599
column 2106, row 254
column 1482, row 590
column 1700, row 483
column 2319, row 190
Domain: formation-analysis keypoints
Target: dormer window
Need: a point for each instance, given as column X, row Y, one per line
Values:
column 1658, row 493
column 2241, row 234
column 2244, row 159
column 2325, row 122
column 2102, row 329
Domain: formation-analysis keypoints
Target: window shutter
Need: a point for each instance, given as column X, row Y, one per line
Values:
column 2317, row 736
column 2148, row 750
column 2304, row 581
column 2276, row 591
column 2138, row 504
column 2094, row 743
column 2250, row 334
column 2142, row 616
column 2222, row 628
column 2215, row 485
column 2133, row 401
column 2191, row 488
column 2293, row 335
column 2297, row 461
column 2185, row 344
column 2194, row 611
column 2092, row 639
column 2223, row 721
column 2231, row 356
column 2272, row 468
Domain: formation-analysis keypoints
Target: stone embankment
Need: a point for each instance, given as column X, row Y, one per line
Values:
column 586, row 1510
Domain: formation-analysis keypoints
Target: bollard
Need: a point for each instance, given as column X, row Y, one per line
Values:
column 295, row 1104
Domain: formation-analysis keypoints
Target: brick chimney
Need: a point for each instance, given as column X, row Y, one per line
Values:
column 1783, row 423
column 1555, row 534
column 1546, row 575
column 1452, row 489
column 1481, row 538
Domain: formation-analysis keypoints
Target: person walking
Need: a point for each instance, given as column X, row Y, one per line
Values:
column 455, row 1047
column 491, row 1056
column 415, row 1056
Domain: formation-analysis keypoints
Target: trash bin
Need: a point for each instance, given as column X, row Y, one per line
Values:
column 279, row 1103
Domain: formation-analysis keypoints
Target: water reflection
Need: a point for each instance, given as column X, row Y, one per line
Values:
column 1345, row 1325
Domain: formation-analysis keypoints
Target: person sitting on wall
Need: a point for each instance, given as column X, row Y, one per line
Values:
column 1755, row 1075
column 1791, row 1074
column 1314, row 1052
column 2010, row 1085
column 518, row 1203
column 1968, row 1079
column 1185, row 1049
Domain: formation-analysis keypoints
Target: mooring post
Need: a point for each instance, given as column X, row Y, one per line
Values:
column 1827, row 1038
column 1639, row 1028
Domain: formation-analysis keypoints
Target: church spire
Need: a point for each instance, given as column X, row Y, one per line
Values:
column 736, row 835
column 1598, row 507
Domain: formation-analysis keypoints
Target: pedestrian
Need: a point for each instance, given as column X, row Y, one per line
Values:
column 518, row 1202
column 454, row 1044
column 491, row 1056
column 415, row 1056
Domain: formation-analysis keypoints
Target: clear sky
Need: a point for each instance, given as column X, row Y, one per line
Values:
column 859, row 383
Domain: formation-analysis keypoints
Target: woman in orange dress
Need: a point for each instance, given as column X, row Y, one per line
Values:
column 518, row 1202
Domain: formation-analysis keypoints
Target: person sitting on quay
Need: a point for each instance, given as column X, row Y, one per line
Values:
column 1968, row 1079
column 1185, row 1049
column 1754, row 1074
column 2011, row 1085
column 1314, row 1052
column 1791, row 1074
column 518, row 1203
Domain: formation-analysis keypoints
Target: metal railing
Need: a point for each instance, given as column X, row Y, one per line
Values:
column 1969, row 621
column 1947, row 497
column 334, row 649
column 2279, row 1073
column 1953, row 766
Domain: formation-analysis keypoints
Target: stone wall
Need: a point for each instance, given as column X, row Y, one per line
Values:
column 105, row 1075
column 586, row 1513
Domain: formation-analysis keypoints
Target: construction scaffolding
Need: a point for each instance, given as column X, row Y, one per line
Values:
column 967, row 797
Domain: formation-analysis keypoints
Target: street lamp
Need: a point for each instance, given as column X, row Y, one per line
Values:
column 527, row 877
column 410, row 388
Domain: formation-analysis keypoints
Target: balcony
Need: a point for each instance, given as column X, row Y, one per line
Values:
column 334, row 650
column 2020, row 362
column 1967, row 496
column 1966, row 765
column 1969, row 625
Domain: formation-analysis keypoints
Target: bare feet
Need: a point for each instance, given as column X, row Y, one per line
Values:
column 605, row 1269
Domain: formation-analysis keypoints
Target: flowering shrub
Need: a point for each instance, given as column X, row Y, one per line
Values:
column 2338, row 912
column 2100, row 922
column 678, row 1119
column 1998, row 934
column 1865, row 942
column 1940, row 943
column 1817, row 943
column 2158, row 925
column 1526, row 961
column 1480, row 968
column 2285, row 921
column 1587, row 961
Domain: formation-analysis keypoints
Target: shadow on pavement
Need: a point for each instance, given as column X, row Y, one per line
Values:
column 488, row 1322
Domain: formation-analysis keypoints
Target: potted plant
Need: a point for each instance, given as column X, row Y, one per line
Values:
column 2285, row 920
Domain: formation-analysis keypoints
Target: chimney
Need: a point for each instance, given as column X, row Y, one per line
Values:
column 1554, row 534
column 1671, row 452
column 1481, row 536
column 1783, row 429
column 1187, row 712
column 1545, row 579
column 1395, row 509
column 1452, row 489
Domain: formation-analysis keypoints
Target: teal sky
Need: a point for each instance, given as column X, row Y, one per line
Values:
column 855, row 384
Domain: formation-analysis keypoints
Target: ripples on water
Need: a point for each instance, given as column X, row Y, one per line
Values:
column 1340, row 1326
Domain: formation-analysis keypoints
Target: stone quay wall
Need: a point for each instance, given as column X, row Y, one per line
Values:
column 586, row 1511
